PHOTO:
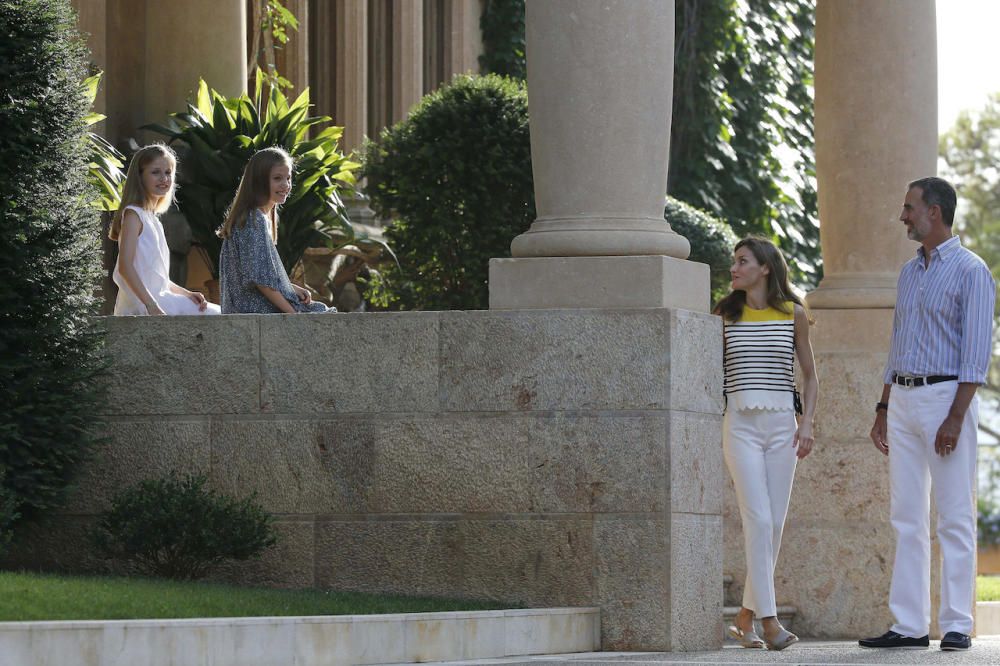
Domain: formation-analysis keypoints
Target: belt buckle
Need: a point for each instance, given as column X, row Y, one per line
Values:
column 909, row 382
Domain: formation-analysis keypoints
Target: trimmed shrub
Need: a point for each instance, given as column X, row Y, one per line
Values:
column 50, row 258
column 712, row 241
column 174, row 528
column 456, row 178
column 456, row 175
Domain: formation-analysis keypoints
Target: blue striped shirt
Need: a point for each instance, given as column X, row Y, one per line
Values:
column 943, row 322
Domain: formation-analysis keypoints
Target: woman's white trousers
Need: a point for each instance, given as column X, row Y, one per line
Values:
column 757, row 445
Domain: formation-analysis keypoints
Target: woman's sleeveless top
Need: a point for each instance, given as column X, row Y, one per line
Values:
column 152, row 263
column 760, row 360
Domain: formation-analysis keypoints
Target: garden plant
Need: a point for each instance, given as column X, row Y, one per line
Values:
column 217, row 135
column 50, row 351
column 174, row 527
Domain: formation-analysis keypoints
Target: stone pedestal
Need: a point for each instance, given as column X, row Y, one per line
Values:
column 598, row 282
column 600, row 163
column 544, row 458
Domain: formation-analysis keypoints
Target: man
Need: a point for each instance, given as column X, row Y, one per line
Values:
column 927, row 418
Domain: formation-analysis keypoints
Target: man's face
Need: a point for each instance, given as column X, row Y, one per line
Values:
column 916, row 215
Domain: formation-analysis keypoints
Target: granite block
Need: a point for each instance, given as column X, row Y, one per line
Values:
column 554, row 359
column 632, row 582
column 183, row 365
column 137, row 451
column 363, row 362
column 697, row 471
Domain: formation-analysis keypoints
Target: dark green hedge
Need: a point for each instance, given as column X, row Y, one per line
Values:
column 712, row 241
column 456, row 177
column 49, row 258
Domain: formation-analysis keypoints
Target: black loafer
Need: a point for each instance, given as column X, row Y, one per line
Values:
column 956, row 642
column 892, row 640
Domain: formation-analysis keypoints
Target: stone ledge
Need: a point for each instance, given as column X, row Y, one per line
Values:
column 303, row 641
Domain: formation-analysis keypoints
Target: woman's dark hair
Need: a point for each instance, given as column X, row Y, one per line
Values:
column 779, row 290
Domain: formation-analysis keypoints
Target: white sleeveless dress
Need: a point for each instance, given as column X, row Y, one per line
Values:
column 152, row 261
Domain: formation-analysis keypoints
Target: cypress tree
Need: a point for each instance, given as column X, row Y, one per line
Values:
column 49, row 260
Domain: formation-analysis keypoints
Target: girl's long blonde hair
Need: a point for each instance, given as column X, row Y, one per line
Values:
column 255, row 190
column 134, row 193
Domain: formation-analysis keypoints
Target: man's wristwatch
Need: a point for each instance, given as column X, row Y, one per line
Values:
column 879, row 406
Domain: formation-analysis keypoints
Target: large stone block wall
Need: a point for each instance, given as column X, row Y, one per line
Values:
column 547, row 458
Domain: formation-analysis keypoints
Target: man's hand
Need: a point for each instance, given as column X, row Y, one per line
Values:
column 947, row 435
column 878, row 434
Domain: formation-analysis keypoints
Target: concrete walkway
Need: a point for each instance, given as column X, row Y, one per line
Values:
column 985, row 650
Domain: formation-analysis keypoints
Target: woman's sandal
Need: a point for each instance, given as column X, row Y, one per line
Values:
column 784, row 639
column 748, row 639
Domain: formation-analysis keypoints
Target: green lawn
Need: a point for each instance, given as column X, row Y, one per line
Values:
column 987, row 588
column 46, row 597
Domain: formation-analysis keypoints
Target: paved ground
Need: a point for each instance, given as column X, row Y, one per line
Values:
column 985, row 650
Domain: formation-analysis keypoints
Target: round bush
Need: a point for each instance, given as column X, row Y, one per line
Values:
column 456, row 178
column 174, row 528
column 712, row 241
column 49, row 258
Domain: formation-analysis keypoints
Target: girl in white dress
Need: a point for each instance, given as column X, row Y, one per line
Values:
column 142, row 270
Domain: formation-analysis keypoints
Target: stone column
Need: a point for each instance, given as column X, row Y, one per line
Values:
column 351, row 71
column 465, row 40
column 92, row 18
column 407, row 56
column 293, row 58
column 191, row 39
column 876, row 130
column 600, row 79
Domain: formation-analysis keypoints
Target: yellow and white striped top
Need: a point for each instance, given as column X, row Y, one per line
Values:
column 760, row 360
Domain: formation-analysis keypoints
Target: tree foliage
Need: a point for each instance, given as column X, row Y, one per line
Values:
column 502, row 27
column 49, row 259
column 742, row 130
column 971, row 153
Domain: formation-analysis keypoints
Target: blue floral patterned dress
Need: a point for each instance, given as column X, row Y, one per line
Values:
column 248, row 259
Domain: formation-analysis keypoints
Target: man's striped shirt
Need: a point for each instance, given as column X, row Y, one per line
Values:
column 943, row 323
column 759, row 359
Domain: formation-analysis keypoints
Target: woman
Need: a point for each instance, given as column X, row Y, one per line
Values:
column 765, row 327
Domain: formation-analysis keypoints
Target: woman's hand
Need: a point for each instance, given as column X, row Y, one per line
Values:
column 198, row 298
column 303, row 294
column 803, row 441
column 154, row 309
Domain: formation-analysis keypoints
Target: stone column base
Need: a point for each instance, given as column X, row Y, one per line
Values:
column 598, row 282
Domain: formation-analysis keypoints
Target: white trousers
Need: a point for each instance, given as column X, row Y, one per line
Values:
column 757, row 446
column 915, row 414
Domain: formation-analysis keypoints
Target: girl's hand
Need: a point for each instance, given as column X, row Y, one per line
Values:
column 803, row 441
column 303, row 294
column 154, row 309
column 199, row 299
